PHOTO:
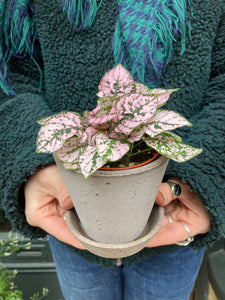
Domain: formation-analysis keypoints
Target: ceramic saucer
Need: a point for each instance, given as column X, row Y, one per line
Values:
column 115, row 250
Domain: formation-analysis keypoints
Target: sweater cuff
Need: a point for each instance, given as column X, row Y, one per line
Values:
column 19, row 129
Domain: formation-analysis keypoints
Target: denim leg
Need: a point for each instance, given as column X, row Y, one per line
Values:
column 163, row 277
column 82, row 280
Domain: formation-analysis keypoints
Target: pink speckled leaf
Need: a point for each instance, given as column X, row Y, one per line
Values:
column 90, row 161
column 135, row 136
column 142, row 89
column 71, row 152
column 140, row 107
column 64, row 118
column 116, row 82
column 91, row 135
column 104, row 116
column 127, row 125
column 162, row 95
column 171, row 146
column 57, row 129
column 164, row 120
column 110, row 149
column 117, row 135
column 104, row 105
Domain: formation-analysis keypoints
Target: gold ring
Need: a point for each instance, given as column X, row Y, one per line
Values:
column 175, row 188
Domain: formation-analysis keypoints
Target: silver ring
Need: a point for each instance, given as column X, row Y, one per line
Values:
column 175, row 188
column 169, row 217
column 189, row 239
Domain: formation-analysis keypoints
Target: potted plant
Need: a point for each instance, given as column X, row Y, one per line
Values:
column 128, row 126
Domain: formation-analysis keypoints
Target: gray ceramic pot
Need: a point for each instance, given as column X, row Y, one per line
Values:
column 114, row 206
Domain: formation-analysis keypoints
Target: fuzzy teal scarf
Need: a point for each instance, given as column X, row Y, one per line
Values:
column 81, row 13
column 143, row 39
column 144, row 36
column 17, row 35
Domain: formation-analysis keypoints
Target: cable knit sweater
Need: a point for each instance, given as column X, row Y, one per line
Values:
column 73, row 62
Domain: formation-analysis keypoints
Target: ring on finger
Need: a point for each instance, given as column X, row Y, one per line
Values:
column 189, row 238
column 175, row 188
column 169, row 217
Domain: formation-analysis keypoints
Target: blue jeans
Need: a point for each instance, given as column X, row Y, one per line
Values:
column 160, row 277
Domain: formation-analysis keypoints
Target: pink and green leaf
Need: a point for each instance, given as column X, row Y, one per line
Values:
column 90, row 161
column 70, row 153
column 135, row 136
column 164, row 120
column 110, row 149
column 57, row 129
column 127, row 111
column 104, row 116
column 127, row 125
column 162, row 95
column 139, row 106
column 67, row 118
column 116, row 82
column 171, row 146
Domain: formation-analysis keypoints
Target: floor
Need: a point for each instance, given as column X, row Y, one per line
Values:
column 211, row 294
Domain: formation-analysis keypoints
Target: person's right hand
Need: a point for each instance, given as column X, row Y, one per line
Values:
column 46, row 201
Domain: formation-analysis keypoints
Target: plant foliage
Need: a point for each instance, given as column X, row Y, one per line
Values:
column 126, row 112
column 8, row 290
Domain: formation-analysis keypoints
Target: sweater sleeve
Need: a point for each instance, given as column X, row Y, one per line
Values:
column 18, row 121
column 206, row 172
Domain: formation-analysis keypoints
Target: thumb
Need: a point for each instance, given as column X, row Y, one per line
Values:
column 65, row 201
column 57, row 227
column 61, row 193
column 165, row 195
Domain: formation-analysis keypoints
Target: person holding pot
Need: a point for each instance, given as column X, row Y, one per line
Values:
column 52, row 57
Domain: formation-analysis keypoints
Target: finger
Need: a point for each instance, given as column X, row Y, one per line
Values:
column 168, row 235
column 57, row 227
column 65, row 202
column 48, row 182
column 167, row 219
column 60, row 191
column 165, row 195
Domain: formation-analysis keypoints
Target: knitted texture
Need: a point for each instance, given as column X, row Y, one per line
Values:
column 73, row 64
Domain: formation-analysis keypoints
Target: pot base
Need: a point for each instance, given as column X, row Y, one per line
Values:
column 116, row 250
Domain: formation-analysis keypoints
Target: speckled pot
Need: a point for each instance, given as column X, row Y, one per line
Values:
column 114, row 206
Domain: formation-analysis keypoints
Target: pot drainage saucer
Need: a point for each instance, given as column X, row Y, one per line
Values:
column 116, row 250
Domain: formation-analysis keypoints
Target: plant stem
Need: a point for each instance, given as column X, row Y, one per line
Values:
column 137, row 144
column 131, row 149
column 139, row 152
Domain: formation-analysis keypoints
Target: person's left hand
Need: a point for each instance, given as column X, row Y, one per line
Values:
column 187, row 208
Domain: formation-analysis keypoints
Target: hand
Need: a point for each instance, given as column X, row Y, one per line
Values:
column 46, row 201
column 187, row 208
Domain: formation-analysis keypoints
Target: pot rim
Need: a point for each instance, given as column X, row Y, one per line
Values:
column 159, row 160
column 146, row 167
column 155, row 155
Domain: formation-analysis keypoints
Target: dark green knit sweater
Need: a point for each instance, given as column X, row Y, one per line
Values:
column 73, row 63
